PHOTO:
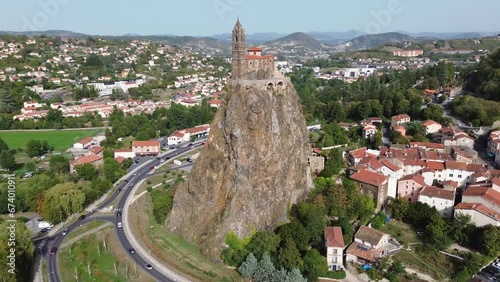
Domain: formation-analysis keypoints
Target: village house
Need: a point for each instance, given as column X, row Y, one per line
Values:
column 369, row 132
column 443, row 200
column 399, row 120
column 409, row 187
column 372, row 184
column 94, row 160
column 185, row 135
column 401, row 129
column 146, row 148
column 454, row 137
column 487, row 196
column 334, row 243
column 480, row 214
column 124, row 153
column 85, row 143
column 97, row 150
column 316, row 163
column 369, row 246
column 431, row 127
column 493, row 148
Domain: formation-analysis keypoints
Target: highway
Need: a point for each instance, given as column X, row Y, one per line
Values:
column 124, row 190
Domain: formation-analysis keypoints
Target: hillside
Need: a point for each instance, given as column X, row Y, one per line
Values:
column 375, row 40
column 298, row 40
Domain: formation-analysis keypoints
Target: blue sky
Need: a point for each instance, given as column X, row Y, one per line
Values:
column 207, row 17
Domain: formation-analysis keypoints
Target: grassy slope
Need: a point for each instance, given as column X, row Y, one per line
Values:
column 61, row 140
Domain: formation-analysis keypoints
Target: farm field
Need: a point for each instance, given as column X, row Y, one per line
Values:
column 60, row 139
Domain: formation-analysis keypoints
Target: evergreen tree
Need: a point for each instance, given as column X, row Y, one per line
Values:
column 248, row 268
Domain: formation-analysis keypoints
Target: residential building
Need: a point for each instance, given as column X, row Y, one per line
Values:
column 407, row 53
column 84, row 143
column 97, row 150
column 368, row 246
column 369, row 132
column 400, row 120
column 486, row 196
column 334, row 242
column 493, row 147
column 443, row 200
column 94, row 160
column 480, row 214
column 409, row 187
column 316, row 163
column 124, row 153
column 431, row 127
column 401, row 129
column 146, row 148
column 372, row 184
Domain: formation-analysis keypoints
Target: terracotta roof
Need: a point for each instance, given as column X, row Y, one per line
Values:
column 371, row 255
column 475, row 168
column 334, row 237
column 399, row 128
column 390, row 165
column 370, row 235
column 434, row 192
column 435, row 165
column 369, row 177
column 359, row 153
column 254, row 48
column 414, row 177
column 451, row 183
column 479, row 208
column 316, row 151
column 86, row 140
column 401, row 117
column 487, row 193
column 430, row 122
column 124, row 150
column 120, row 160
column 146, row 143
column 456, row 165
column 87, row 159
column 96, row 150
column 427, row 145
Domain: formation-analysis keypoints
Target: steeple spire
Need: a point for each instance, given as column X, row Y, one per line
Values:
column 239, row 51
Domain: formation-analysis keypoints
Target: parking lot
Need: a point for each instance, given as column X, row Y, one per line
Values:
column 490, row 272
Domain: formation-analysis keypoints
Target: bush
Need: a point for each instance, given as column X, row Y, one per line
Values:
column 165, row 175
column 150, row 189
column 148, row 182
column 336, row 274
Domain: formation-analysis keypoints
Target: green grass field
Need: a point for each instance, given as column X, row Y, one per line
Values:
column 60, row 139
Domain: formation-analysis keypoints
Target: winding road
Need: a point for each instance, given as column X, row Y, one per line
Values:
column 160, row 273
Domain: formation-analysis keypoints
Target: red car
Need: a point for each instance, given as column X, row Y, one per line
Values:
column 151, row 168
column 53, row 250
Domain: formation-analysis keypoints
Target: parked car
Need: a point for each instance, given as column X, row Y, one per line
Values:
column 131, row 251
column 189, row 160
column 151, row 168
column 53, row 250
column 148, row 266
column 82, row 217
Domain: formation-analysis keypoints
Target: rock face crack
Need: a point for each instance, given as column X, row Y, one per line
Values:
column 253, row 167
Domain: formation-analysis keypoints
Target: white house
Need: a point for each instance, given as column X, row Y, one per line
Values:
column 480, row 214
column 369, row 132
column 84, row 143
column 443, row 200
column 334, row 242
column 399, row 120
column 368, row 245
column 124, row 153
column 431, row 127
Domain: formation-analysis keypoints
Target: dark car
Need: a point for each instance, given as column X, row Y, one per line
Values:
column 119, row 190
column 53, row 250
column 172, row 147
column 131, row 251
column 158, row 158
column 189, row 160
column 136, row 161
column 125, row 181
column 167, row 158
column 82, row 217
column 119, row 213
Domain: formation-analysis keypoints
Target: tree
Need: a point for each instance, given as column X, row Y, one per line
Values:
column 315, row 265
column 162, row 205
column 265, row 270
column 263, row 242
column 399, row 208
column 334, row 163
column 312, row 217
column 7, row 160
column 462, row 230
column 248, row 268
column 3, row 145
column 24, row 252
column 379, row 220
column 7, row 103
column 62, row 200
column 296, row 232
column 490, row 240
column 86, row 171
column 436, row 232
column 112, row 170
column 34, row 148
column 59, row 164
column 289, row 256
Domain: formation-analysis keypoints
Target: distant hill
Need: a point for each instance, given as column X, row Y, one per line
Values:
column 50, row 33
column 256, row 38
column 335, row 37
column 299, row 39
column 375, row 40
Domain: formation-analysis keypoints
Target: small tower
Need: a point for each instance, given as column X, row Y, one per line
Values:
column 239, row 52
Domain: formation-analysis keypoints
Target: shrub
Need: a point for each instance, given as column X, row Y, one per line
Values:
column 148, row 182
column 150, row 189
column 336, row 274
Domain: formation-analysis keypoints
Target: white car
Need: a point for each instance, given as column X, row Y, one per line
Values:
column 148, row 266
column 119, row 225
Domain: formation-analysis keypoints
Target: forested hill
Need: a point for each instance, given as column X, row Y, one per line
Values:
column 485, row 82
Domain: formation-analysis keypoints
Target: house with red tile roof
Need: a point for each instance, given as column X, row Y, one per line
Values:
column 409, row 187
column 334, row 243
column 431, row 127
column 97, row 150
column 85, row 142
column 124, row 153
column 94, row 160
column 401, row 129
column 146, row 148
column 443, row 200
column 372, row 184
column 480, row 214
column 483, row 195
column 399, row 120
column 368, row 245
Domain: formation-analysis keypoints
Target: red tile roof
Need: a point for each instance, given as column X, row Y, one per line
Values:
column 401, row 117
column 334, row 237
column 451, row 183
column 146, row 143
column 456, row 165
column 434, row 192
column 254, row 48
column 358, row 154
column 120, row 160
column 479, row 208
column 86, row 140
column 87, row 159
column 435, row 165
column 369, row 177
column 414, row 177
column 390, row 165
column 124, row 150
column 430, row 122
column 487, row 193
column 371, row 255
column 96, row 150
